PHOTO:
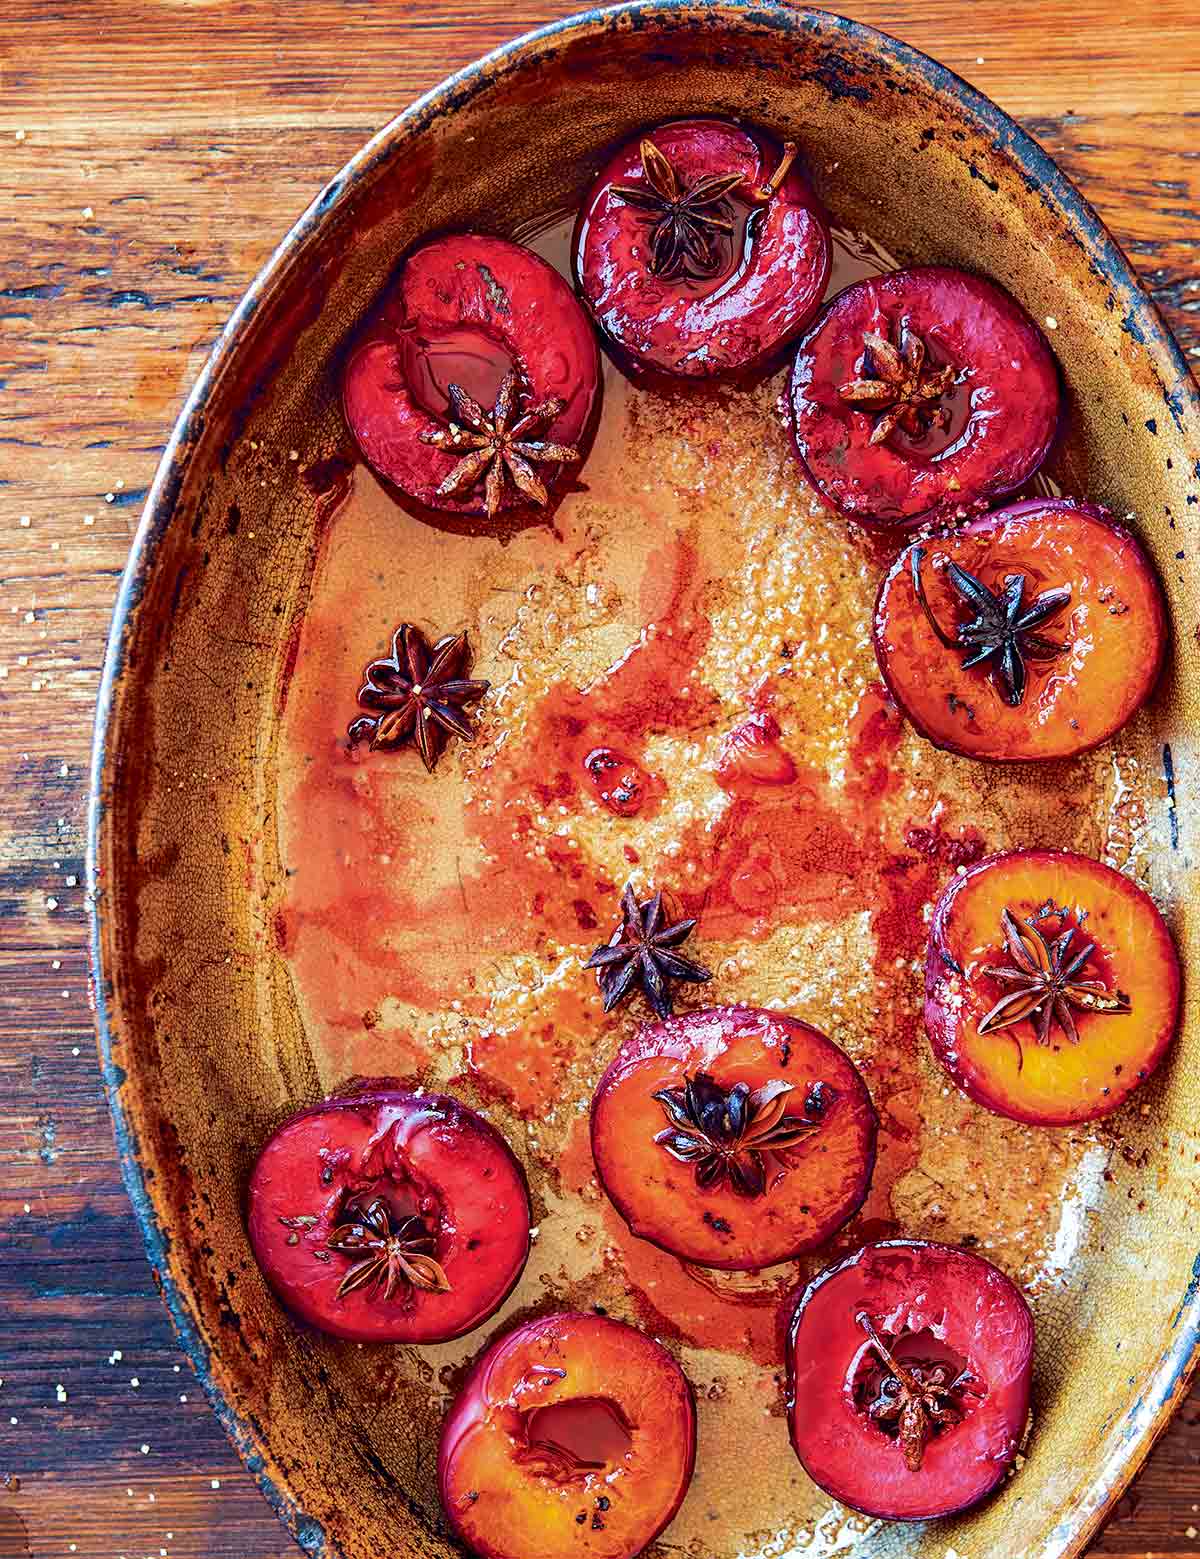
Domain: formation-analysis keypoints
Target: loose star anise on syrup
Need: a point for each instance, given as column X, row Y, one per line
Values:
column 1047, row 977
column 689, row 217
column 417, row 694
column 643, row 951
column 496, row 446
column 391, row 1253
column 1002, row 628
column 916, row 1399
column 899, row 384
column 734, row 1134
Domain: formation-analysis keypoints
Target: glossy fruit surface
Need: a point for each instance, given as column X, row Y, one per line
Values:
column 962, row 1335
column 419, row 1177
column 1087, row 666
column 468, row 310
column 726, row 296
column 573, row 1435
column 716, row 1187
column 983, row 435
column 1118, row 1043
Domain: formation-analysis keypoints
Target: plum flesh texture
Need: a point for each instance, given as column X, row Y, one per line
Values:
column 821, row 1183
column 425, row 1156
column 1002, row 410
column 773, row 265
column 925, row 1300
column 575, row 1435
column 1006, row 1069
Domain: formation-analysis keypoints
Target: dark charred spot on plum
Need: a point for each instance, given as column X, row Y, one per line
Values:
column 574, row 1437
column 821, row 1096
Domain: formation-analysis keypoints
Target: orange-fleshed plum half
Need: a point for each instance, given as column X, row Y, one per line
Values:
column 1066, row 650
column 733, row 1137
column 386, row 1216
column 908, row 1379
column 1052, row 985
column 574, row 1437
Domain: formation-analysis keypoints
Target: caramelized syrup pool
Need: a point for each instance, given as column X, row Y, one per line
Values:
column 435, row 925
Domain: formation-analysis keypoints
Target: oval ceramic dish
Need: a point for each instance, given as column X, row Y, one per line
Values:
column 265, row 562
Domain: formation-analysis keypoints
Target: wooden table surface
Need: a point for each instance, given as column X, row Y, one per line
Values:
column 150, row 156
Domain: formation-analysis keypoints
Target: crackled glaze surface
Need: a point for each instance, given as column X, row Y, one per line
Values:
column 291, row 915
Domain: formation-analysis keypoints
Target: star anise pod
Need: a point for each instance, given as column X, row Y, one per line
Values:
column 1003, row 626
column 417, row 694
column 496, row 446
column 900, row 384
column 391, row 1253
column 916, row 1398
column 643, row 951
column 731, row 1134
column 1048, row 981
column 688, row 218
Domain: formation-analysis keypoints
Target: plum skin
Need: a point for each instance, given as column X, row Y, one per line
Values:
column 1156, row 631
column 1009, row 1380
column 483, row 1417
column 704, row 329
column 504, row 294
column 956, row 480
column 706, row 1040
column 494, row 1213
column 944, row 1005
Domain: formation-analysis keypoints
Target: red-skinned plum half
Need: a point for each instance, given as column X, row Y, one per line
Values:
column 1052, row 985
column 733, row 1137
column 1086, row 659
column 388, row 1216
column 717, row 279
column 919, row 393
column 466, row 316
column 908, row 1379
column 574, row 1435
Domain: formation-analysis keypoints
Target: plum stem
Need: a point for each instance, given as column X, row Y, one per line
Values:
column 918, row 557
column 770, row 189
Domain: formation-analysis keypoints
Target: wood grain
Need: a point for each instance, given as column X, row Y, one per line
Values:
column 150, row 156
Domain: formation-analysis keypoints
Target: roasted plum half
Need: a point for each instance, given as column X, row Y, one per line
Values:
column 922, row 392
column 473, row 385
column 733, row 1137
column 908, row 1379
column 701, row 249
column 387, row 1216
column 1052, row 985
column 1035, row 632
column 574, row 1437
